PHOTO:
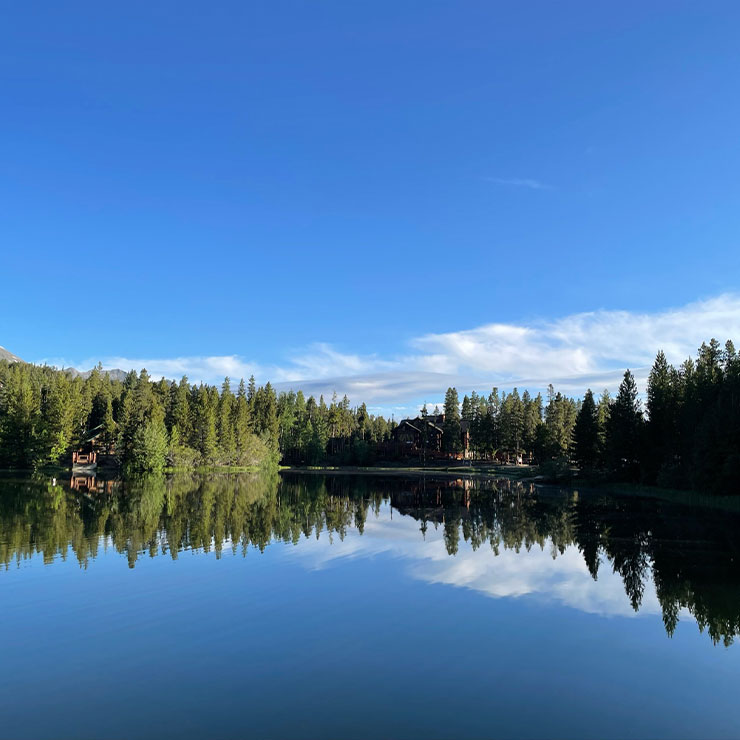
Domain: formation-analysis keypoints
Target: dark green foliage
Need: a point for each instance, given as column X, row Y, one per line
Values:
column 560, row 420
column 144, row 426
column 467, row 409
column 149, row 451
column 451, row 441
column 205, row 439
column 693, row 427
column 512, row 422
column 603, row 411
column 624, row 430
column 586, row 433
column 662, row 410
column 240, row 420
column 265, row 417
column 21, row 423
column 690, row 438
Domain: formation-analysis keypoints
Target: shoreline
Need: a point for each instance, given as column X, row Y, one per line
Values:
column 524, row 474
column 527, row 474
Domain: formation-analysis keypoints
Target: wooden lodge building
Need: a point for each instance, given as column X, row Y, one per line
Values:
column 423, row 437
column 411, row 441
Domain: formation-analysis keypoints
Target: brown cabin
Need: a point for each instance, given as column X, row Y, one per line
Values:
column 409, row 436
column 93, row 450
column 85, row 458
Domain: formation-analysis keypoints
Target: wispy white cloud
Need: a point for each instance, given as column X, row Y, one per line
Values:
column 197, row 367
column 209, row 369
column 573, row 352
column 519, row 182
column 321, row 360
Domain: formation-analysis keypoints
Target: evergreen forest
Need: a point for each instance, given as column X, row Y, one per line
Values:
column 684, row 433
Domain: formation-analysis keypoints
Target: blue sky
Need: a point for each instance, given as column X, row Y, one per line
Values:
column 329, row 191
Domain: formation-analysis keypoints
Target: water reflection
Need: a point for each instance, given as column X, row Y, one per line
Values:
column 502, row 538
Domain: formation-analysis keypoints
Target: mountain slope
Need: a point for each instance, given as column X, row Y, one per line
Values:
column 115, row 374
column 9, row 356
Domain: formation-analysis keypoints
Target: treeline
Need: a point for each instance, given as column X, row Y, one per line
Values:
column 689, row 435
column 686, row 436
column 311, row 432
column 46, row 413
column 502, row 425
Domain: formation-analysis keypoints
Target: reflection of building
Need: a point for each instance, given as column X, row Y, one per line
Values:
column 423, row 435
column 429, row 498
column 90, row 484
column 434, row 500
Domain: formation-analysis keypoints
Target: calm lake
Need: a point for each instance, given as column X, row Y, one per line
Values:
column 360, row 606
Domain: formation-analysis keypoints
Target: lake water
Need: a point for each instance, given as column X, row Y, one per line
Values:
column 357, row 607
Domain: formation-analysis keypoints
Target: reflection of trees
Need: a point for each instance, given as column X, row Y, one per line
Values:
column 158, row 515
column 692, row 554
column 693, row 559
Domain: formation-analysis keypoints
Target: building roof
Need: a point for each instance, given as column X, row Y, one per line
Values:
column 408, row 423
column 415, row 424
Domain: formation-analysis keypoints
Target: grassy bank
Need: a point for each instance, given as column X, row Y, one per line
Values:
column 217, row 469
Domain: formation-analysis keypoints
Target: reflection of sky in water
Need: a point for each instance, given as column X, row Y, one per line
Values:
column 535, row 572
column 299, row 640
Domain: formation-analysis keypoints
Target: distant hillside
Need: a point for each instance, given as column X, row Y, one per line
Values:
column 115, row 374
column 9, row 356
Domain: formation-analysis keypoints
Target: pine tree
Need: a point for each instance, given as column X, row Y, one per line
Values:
column 179, row 409
column 20, row 420
column 467, row 409
column 204, row 426
column 451, row 431
column 586, row 433
column 143, row 438
column 59, row 417
column 603, row 411
column 512, row 422
column 492, row 424
column 624, row 429
column 110, row 428
column 532, row 421
column 661, row 428
column 242, row 432
column 560, row 419
column 226, row 443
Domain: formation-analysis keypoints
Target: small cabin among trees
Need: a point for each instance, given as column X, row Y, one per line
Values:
column 84, row 458
column 93, row 450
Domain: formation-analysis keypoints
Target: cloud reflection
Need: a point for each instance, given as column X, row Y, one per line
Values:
column 542, row 573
